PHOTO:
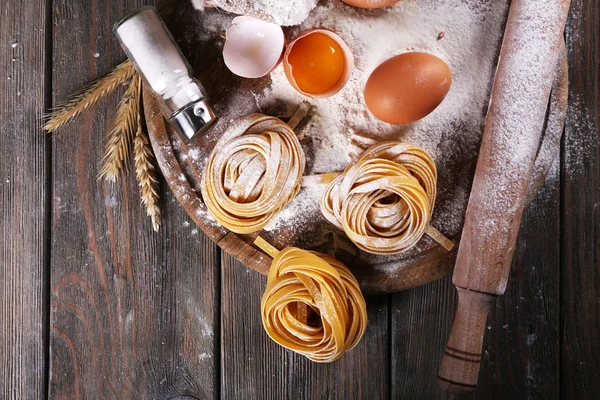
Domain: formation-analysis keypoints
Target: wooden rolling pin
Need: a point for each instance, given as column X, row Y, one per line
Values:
column 511, row 137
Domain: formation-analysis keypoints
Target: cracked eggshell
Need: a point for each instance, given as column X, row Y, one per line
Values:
column 348, row 64
column 253, row 48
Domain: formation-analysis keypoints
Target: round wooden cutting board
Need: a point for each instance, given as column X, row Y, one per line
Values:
column 232, row 97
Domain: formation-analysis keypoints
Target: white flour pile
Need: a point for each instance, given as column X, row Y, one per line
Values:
column 465, row 34
column 281, row 12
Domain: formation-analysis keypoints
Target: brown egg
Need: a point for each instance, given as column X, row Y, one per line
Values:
column 407, row 87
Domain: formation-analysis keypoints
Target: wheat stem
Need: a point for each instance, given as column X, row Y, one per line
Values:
column 146, row 175
column 120, row 137
column 95, row 92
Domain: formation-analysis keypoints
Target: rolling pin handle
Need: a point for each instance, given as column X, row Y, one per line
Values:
column 460, row 365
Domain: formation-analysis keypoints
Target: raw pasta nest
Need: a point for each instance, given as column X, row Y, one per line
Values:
column 252, row 173
column 384, row 201
column 313, row 305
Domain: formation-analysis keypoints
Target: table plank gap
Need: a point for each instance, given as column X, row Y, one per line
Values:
column 48, row 105
column 580, row 198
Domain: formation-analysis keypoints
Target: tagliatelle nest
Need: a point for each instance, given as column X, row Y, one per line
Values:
column 252, row 173
column 312, row 304
column 384, row 201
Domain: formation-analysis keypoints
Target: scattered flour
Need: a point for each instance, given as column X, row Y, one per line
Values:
column 281, row 12
column 194, row 154
column 466, row 34
column 343, row 127
column 111, row 201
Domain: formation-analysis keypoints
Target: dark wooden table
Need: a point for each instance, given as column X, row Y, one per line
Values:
column 95, row 305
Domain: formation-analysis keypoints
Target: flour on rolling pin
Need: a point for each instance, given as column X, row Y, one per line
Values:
column 528, row 59
column 514, row 122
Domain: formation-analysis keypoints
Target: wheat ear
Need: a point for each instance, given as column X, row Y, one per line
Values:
column 146, row 174
column 91, row 95
column 120, row 137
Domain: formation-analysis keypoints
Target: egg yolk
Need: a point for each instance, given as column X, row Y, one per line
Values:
column 317, row 63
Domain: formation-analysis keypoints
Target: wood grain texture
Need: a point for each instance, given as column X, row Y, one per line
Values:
column 420, row 318
column 137, row 315
column 521, row 353
column 255, row 367
column 580, row 272
column 24, row 161
column 133, row 312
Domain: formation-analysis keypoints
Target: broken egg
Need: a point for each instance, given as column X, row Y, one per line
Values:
column 253, row 47
column 370, row 3
column 407, row 87
column 318, row 63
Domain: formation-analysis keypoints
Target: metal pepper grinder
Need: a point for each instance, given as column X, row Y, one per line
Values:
column 157, row 58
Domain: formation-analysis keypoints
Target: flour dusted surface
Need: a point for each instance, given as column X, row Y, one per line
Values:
column 451, row 134
column 281, row 12
column 467, row 35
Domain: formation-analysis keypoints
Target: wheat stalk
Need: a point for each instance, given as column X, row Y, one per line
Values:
column 95, row 92
column 146, row 175
column 120, row 137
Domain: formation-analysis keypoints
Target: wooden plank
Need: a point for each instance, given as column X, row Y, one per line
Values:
column 421, row 319
column 24, row 166
column 521, row 357
column 580, row 272
column 133, row 312
column 255, row 367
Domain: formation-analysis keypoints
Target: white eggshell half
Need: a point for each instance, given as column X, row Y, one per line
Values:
column 252, row 47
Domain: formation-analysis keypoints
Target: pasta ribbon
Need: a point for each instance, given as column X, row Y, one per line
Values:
column 384, row 201
column 252, row 173
column 312, row 304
